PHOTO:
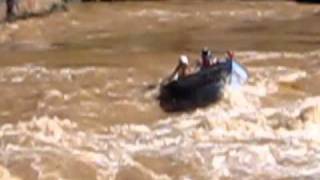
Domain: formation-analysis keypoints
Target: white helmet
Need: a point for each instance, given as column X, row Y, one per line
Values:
column 184, row 60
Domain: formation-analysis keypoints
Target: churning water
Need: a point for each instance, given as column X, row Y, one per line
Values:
column 79, row 93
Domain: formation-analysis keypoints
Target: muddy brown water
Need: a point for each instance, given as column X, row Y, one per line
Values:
column 79, row 93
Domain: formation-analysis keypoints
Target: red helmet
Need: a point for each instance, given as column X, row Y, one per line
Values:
column 230, row 54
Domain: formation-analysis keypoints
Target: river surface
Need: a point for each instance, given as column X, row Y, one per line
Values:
column 79, row 93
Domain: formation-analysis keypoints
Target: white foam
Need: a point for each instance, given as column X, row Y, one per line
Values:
column 230, row 138
column 261, row 55
column 125, row 140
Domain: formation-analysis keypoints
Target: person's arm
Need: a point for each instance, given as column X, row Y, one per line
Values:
column 172, row 75
column 214, row 61
column 197, row 64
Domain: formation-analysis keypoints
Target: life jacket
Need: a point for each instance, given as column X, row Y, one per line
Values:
column 206, row 63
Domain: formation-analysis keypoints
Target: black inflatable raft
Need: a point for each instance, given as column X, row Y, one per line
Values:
column 201, row 88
